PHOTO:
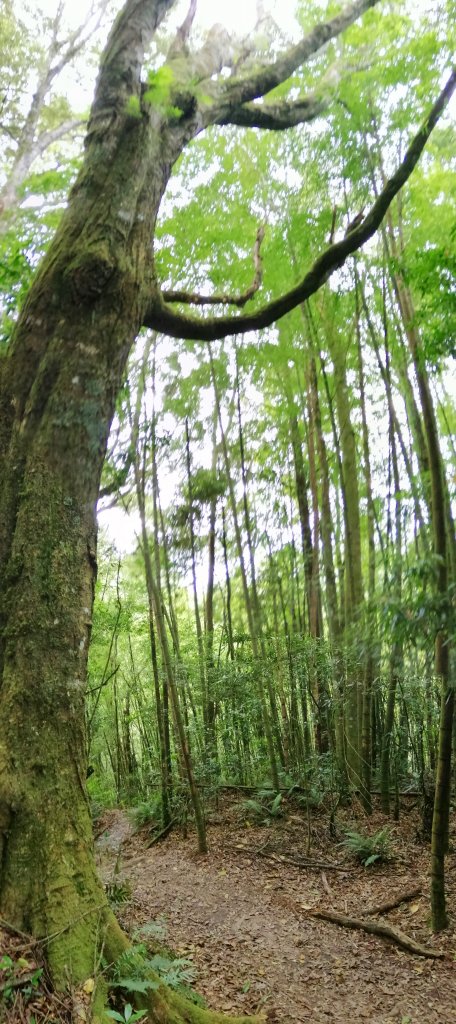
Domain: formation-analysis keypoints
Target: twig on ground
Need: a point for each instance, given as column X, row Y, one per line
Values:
column 300, row 862
column 306, row 863
column 327, row 886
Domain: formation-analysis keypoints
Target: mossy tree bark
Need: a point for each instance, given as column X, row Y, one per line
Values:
column 93, row 292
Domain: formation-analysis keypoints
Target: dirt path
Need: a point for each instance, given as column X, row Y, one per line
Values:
column 230, row 913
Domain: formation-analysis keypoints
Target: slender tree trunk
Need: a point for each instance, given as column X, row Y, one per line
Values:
column 354, row 594
column 396, row 656
column 199, row 630
column 370, row 625
column 140, row 484
column 249, row 603
column 441, row 526
column 266, row 682
column 303, row 508
column 209, row 616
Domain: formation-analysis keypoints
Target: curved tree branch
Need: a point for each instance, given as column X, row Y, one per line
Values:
column 287, row 114
column 54, row 134
column 242, row 89
column 162, row 318
column 276, row 116
column 193, row 299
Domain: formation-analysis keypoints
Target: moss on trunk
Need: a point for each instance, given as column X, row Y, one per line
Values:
column 59, row 382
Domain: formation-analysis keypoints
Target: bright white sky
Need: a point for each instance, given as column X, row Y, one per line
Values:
column 239, row 17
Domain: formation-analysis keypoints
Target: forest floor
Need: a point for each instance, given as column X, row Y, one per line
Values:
column 245, row 920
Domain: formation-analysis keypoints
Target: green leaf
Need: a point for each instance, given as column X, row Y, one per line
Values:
column 136, row 984
column 371, row 859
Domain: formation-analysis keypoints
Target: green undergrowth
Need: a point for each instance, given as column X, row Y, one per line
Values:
column 367, row 849
column 146, row 964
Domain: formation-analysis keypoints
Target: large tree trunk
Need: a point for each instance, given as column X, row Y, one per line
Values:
column 59, row 382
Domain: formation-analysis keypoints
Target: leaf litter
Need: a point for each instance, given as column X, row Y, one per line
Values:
column 245, row 921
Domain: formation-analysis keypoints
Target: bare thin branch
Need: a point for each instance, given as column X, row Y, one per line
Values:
column 181, row 38
column 194, row 299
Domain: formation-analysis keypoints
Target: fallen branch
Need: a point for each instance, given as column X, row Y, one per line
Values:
column 304, row 862
column 161, row 835
column 327, row 886
column 386, row 931
column 383, row 908
column 300, row 862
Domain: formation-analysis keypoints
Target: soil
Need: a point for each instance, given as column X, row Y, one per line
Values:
column 245, row 920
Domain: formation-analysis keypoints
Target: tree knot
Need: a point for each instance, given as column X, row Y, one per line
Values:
column 89, row 273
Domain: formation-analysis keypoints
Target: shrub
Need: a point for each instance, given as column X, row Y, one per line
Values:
column 368, row 849
column 118, row 891
column 145, row 813
column 267, row 806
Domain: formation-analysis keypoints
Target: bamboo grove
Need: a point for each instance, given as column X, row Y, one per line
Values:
column 295, row 546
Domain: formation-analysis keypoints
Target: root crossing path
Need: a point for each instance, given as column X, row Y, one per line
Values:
column 235, row 915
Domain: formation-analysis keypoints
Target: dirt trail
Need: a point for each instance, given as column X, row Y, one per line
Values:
column 230, row 912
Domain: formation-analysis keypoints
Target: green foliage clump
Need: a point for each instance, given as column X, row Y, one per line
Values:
column 128, row 1016
column 118, row 892
column 368, row 849
column 147, row 812
column 131, row 972
column 267, row 807
column 152, row 930
column 18, row 976
column 158, row 93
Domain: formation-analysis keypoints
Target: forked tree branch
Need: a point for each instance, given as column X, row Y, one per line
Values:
column 289, row 113
column 181, row 38
column 194, row 299
column 243, row 89
column 163, row 319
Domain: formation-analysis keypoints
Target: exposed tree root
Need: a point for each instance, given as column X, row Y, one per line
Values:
column 177, row 1010
column 386, row 931
column 28, row 939
column 383, row 908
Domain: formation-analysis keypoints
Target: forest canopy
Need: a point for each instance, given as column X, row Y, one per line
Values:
column 227, row 324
